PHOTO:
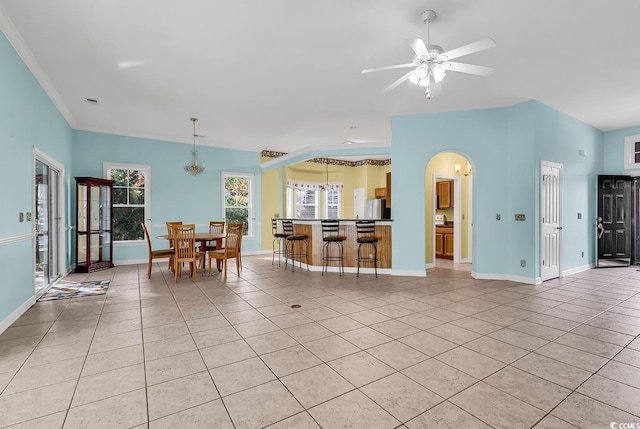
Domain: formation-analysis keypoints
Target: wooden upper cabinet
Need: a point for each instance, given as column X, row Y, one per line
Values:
column 381, row 192
column 388, row 201
column 445, row 194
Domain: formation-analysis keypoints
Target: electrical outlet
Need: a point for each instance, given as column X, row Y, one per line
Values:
column 28, row 216
column 523, row 263
column 579, row 215
column 21, row 217
column 583, row 254
column 498, row 217
column 520, row 217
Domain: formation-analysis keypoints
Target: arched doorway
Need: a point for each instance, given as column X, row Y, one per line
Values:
column 448, row 211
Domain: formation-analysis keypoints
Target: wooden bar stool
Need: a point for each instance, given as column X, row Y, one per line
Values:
column 290, row 240
column 332, row 238
column 366, row 235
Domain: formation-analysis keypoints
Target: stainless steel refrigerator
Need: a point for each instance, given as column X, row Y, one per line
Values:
column 375, row 209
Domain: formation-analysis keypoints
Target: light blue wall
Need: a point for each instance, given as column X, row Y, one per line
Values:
column 28, row 119
column 175, row 195
column 505, row 147
column 560, row 138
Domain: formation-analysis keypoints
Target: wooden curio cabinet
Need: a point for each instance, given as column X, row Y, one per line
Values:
column 94, row 222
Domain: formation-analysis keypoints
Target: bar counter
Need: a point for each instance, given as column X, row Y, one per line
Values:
column 313, row 228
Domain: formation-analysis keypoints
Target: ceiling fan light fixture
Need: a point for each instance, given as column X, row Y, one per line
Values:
column 439, row 72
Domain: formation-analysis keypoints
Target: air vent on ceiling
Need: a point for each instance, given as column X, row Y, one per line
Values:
column 91, row 101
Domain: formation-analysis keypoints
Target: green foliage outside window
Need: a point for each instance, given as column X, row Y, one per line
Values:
column 237, row 200
column 128, row 204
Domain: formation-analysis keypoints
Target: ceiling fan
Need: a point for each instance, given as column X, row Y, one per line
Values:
column 431, row 63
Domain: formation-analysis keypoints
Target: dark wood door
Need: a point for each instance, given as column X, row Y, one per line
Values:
column 614, row 227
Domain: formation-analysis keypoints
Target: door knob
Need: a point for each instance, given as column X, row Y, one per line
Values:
column 601, row 228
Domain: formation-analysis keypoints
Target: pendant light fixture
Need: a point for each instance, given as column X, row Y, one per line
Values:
column 193, row 166
column 326, row 186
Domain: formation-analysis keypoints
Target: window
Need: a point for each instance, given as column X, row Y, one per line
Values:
column 131, row 200
column 306, row 204
column 238, row 200
column 332, row 204
column 632, row 152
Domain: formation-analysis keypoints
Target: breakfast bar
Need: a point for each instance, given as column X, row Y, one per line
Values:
column 313, row 229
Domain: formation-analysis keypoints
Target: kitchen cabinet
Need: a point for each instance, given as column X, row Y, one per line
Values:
column 94, row 223
column 444, row 241
column 388, row 201
column 380, row 193
column 445, row 194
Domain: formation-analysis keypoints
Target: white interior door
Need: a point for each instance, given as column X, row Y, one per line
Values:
column 358, row 203
column 550, row 218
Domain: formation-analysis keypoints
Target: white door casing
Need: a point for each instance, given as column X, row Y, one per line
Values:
column 550, row 219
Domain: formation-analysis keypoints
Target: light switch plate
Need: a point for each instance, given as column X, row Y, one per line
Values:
column 28, row 216
column 520, row 217
column 21, row 217
column 498, row 217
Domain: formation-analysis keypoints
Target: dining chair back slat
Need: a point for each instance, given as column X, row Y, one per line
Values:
column 184, row 236
column 231, row 249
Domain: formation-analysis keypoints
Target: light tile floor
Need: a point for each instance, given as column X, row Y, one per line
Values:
column 407, row 352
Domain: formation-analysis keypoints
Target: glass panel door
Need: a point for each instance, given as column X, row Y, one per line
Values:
column 47, row 218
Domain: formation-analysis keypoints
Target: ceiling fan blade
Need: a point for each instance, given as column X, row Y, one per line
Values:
column 471, row 69
column 397, row 83
column 418, row 47
column 471, row 48
column 397, row 66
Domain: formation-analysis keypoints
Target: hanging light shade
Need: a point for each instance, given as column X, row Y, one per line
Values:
column 326, row 186
column 193, row 166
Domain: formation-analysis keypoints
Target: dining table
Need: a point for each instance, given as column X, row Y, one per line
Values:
column 202, row 238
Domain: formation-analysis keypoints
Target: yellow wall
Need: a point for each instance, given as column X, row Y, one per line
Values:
column 444, row 164
column 270, row 202
column 367, row 177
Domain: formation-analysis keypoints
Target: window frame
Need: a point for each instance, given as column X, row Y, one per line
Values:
column 629, row 152
column 326, row 203
column 107, row 167
column 223, row 206
column 291, row 203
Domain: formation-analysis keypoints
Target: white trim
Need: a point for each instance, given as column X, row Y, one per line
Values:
column 21, row 48
column 429, row 265
column 15, row 239
column 15, row 315
column 409, row 273
column 465, row 260
column 509, row 277
column 131, row 261
column 578, row 269
column 109, row 165
column 469, row 220
column 629, row 151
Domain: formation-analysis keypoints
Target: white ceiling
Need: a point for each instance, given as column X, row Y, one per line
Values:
column 285, row 74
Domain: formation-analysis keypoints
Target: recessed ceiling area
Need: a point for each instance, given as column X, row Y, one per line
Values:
column 283, row 75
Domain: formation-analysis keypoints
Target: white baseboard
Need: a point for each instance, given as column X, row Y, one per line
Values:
column 465, row 260
column 577, row 270
column 15, row 315
column 409, row 273
column 509, row 277
column 430, row 265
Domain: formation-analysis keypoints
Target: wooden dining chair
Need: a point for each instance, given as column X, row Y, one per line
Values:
column 170, row 234
column 184, row 238
column 155, row 254
column 215, row 227
column 231, row 248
